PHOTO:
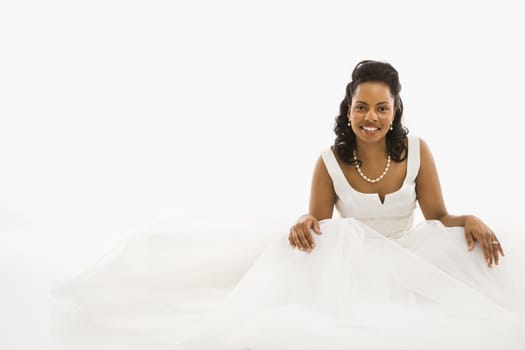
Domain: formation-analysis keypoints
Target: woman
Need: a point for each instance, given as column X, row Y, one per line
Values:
column 370, row 123
column 370, row 280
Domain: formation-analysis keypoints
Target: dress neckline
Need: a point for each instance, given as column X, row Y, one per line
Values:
column 376, row 194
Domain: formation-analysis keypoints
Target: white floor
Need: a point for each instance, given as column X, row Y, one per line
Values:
column 37, row 257
column 32, row 261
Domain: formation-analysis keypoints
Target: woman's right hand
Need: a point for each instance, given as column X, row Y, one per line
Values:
column 301, row 233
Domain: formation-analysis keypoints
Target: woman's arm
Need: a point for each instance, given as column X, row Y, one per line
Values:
column 322, row 195
column 430, row 197
column 455, row 220
column 322, row 199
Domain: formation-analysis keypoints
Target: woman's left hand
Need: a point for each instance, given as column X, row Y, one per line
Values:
column 475, row 229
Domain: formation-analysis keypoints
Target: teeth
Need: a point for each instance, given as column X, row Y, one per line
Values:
column 369, row 128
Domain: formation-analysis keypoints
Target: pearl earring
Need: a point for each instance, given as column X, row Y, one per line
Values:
column 391, row 127
column 348, row 123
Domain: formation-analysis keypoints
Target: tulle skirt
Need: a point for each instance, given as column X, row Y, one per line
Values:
column 357, row 289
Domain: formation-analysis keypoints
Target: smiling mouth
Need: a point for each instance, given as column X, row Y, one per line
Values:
column 369, row 128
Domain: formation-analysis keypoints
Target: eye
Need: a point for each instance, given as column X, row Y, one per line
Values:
column 383, row 109
column 360, row 108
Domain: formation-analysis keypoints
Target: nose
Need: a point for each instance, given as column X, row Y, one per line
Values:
column 371, row 116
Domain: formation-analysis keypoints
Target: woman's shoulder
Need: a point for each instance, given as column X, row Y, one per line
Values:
column 424, row 148
column 412, row 136
column 425, row 158
column 421, row 142
column 417, row 137
column 333, row 151
column 329, row 151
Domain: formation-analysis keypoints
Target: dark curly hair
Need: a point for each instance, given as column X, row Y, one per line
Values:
column 345, row 141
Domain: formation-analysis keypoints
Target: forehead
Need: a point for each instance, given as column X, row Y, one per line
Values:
column 372, row 91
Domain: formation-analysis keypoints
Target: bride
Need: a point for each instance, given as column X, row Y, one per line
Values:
column 368, row 279
column 369, row 136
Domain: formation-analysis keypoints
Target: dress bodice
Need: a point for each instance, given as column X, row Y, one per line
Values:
column 394, row 217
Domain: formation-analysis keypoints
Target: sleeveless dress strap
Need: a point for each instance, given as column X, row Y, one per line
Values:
column 334, row 170
column 413, row 158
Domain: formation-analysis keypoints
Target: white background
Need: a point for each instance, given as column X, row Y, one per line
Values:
column 117, row 114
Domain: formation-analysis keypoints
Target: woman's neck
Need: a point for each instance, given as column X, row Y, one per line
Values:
column 369, row 152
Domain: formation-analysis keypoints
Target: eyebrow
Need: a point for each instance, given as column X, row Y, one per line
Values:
column 380, row 103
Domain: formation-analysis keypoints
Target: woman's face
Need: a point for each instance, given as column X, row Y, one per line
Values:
column 371, row 111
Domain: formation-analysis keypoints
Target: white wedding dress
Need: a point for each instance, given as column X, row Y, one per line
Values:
column 373, row 281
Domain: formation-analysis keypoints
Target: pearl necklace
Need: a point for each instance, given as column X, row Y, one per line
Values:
column 377, row 178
